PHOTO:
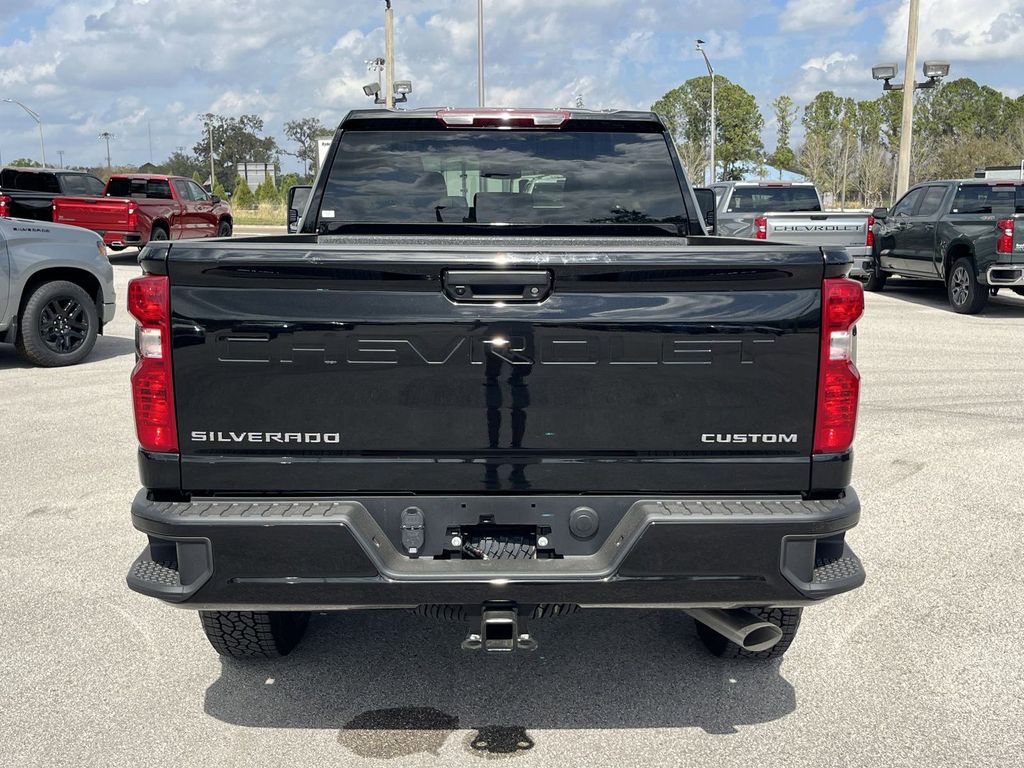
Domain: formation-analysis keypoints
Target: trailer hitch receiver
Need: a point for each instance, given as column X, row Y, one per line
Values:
column 502, row 629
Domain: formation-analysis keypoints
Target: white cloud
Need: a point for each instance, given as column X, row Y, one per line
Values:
column 844, row 73
column 835, row 16
column 960, row 30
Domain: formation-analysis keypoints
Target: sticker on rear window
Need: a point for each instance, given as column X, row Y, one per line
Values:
column 327, row 213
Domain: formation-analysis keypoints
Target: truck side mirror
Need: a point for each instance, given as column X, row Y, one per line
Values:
column 298, row 196
column 880, row 214
column 706, row 203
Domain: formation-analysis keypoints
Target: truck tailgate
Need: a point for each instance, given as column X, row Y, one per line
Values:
column 825, row 229
column 352, row 366
column 100, row 214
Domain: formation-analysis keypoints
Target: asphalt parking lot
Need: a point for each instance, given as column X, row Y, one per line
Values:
column 924, row 666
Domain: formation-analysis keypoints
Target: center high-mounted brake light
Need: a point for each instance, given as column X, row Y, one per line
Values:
column 503, row 118
column 1005, row 242
column 152, row 383
column 761, row 228
column 5, row 206
column 842, row 304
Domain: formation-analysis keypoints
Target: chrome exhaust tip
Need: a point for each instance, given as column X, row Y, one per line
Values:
column 740, row 627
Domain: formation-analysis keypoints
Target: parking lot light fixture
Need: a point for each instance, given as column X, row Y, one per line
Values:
column 39, row 124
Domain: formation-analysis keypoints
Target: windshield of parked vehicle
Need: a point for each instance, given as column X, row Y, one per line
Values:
column 989, row 198
column 502, row 177
column 774, row 199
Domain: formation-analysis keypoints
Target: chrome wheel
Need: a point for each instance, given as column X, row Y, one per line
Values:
column 960, row 286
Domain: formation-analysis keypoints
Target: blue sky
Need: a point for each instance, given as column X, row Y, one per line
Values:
column 126, row 66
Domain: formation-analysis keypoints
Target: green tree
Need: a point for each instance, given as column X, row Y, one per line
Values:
column 305, row 133
column 197, row 178
column 218, row 191
column 242, row 197
column 181, row 163
column 267, row 191
column 24, row 162
column 783, row 157
column 738, row 144
column 235, row 140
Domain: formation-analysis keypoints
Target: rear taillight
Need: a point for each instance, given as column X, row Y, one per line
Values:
column 761, row 228
column 842, row 302
column 152, row 384
column 1005, row 243
column 870, row 239
column 5, row 206
column 133, row 220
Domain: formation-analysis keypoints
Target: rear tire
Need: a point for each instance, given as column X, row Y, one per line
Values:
column 876, row 278
column 58, row 325
column 254, row 634
column 786, row 619
column 966, row 295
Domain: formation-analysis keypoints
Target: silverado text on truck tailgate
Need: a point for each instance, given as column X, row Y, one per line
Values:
column 499, row 374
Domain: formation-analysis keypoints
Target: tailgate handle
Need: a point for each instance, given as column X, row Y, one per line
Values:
column 493, row 286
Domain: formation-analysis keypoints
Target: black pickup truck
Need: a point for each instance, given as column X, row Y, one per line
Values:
column 966, row 233
column 28, row 193
column 501, row 373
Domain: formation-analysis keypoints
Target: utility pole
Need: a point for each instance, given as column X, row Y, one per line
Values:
column 712, row 136
column 213, row 177
column 389, row 55
column 907, row 125
column 149, row 127
column 61, row 153
column 107, row 136
column 480, row 52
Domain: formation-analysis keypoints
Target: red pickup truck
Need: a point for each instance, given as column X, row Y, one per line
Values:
column 136, row 208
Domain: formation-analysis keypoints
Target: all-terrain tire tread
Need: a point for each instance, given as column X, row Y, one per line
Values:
column 253, row 634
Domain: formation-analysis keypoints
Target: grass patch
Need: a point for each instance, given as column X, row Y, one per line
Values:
column 262, row 215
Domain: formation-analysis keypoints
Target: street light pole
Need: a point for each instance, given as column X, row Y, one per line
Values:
column 61, row 153
column 39, row 124
column 107, row 136
column 712, row 134
column 907, row 125
column 480, row 52
column 389, row 55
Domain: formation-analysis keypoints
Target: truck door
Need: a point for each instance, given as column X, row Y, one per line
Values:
column 896, row 232
column 189, row 216
column 206, row 217
column 920, row 237
column 5, row 275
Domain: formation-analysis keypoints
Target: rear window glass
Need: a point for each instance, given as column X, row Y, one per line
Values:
column 989, row 198
column 80, row 184
column 158, row 189
column 511, row 177
column 30, row 181
column 775, row 199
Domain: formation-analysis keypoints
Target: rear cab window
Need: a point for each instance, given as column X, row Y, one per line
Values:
column 989, row 198
column 778, row 199
column 153, row 189
column 30, row 181
column 514, row 177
